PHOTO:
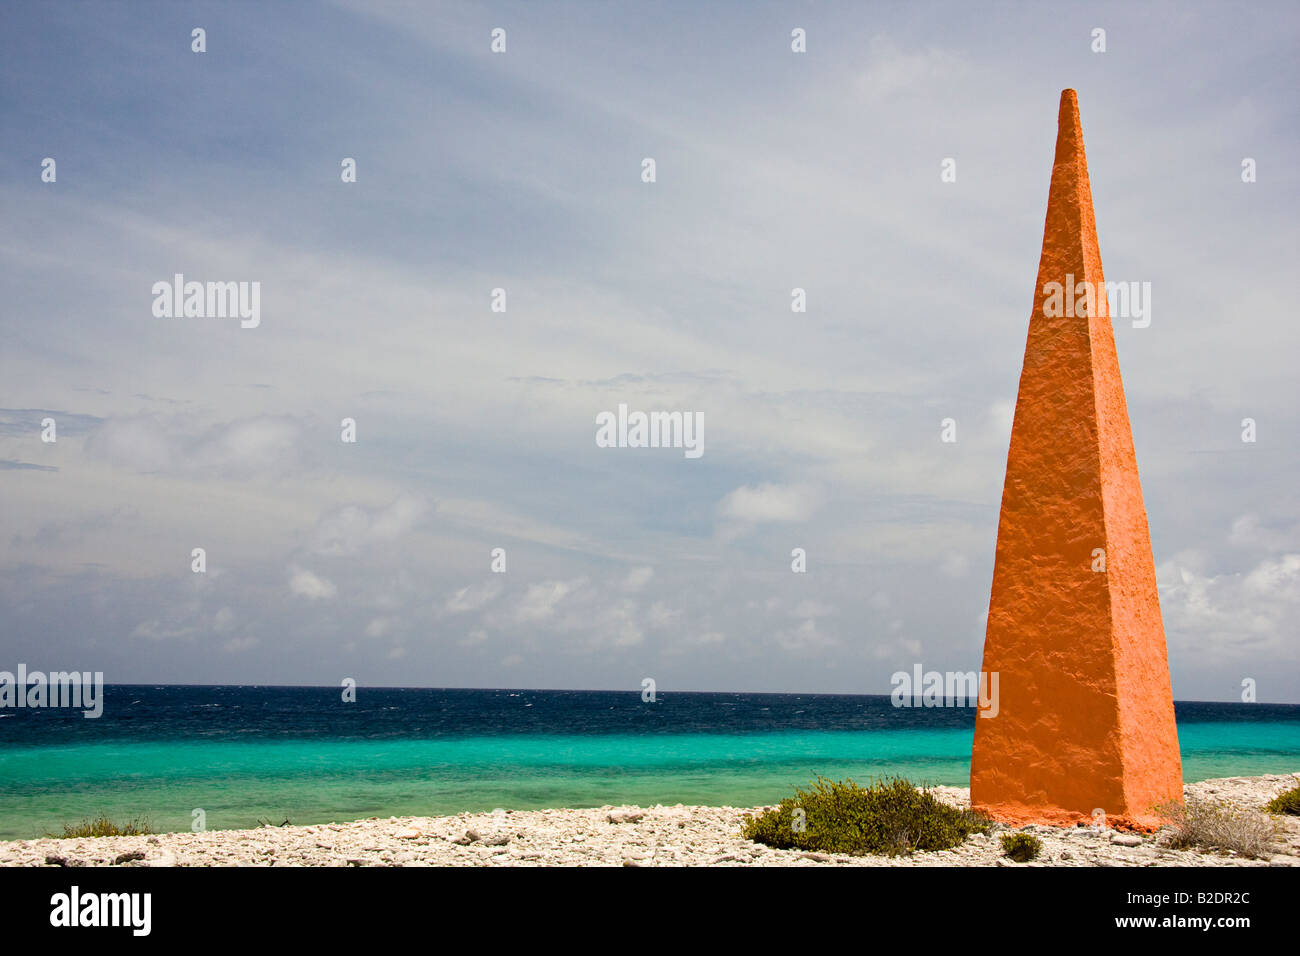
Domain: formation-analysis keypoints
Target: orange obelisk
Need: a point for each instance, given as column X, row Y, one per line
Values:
column 1085, row 715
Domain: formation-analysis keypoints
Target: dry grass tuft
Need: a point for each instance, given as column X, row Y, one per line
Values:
column 1217, row 826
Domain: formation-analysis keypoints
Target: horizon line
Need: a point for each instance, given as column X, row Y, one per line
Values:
column 596, row 690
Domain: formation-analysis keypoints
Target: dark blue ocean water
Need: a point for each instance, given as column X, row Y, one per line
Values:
column 249, row 753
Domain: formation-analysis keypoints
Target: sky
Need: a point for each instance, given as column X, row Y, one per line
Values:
column 523, row 170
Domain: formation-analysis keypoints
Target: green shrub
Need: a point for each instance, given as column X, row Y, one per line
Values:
column 1021, row 847
column 103, row 826
column 1288, row 803
column 889, row 817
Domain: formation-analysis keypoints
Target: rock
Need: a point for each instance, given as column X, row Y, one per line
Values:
column 471, row 836
column 408, row 833
column 165, row 858
column 819, row 857
column 625, row 816
column 128, row 857
column 1067, row 855
column 1125, row 839
column 53, row 859
column 499, row 840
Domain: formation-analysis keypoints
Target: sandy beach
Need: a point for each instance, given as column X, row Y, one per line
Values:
column 627, row 836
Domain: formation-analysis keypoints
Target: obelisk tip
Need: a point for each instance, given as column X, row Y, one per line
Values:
column 1069, row 127
column 1069, row 107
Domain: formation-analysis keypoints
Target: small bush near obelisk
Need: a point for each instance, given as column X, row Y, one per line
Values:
column 1287, row 803
column 1021, row 847
column 887, row 817
column 103, row 826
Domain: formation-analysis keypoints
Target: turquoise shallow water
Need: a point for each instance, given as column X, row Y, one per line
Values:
column 239, row 782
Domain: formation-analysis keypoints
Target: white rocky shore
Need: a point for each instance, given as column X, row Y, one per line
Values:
column 625, row 836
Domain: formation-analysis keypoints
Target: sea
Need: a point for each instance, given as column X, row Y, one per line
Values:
column 242, row 756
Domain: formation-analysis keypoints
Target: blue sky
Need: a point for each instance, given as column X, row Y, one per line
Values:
column 476, row 429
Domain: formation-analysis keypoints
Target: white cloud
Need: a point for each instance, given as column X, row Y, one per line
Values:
column 398, row 518
column 472, row 597
column 812, row 608
column 541, row 600
column 183, row 446
column 754, row 504
column 891, row 71
column 157, row 630
column 352, row 528
column 1276, row 580
column 1220, row 616
column 807, row 638
column 954, row 565
column 379, row 626
column 307, row 584
column 638, row 578
column 1249, row 532
column 661, row 615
